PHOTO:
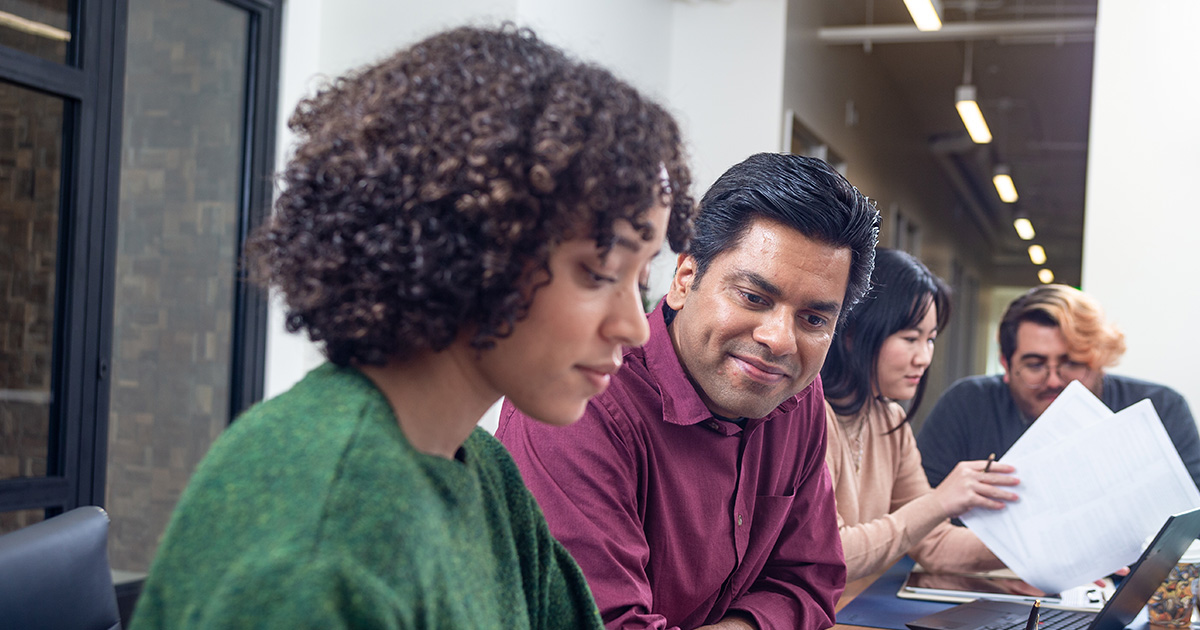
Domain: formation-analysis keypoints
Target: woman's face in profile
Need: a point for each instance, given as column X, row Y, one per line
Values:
column 904, row 357
column 566, row 349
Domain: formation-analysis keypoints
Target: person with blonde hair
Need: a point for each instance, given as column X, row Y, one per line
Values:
column 1050, row 336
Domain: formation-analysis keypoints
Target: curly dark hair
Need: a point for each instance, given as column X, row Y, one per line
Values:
column 428, row 190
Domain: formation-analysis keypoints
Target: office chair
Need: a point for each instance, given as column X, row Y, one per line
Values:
column 54, row 575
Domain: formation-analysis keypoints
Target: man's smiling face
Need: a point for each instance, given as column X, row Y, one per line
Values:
column 754, row 330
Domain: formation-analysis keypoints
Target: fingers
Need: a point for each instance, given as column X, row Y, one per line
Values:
column 988, row 503
column 992, row 492
column 996, row 479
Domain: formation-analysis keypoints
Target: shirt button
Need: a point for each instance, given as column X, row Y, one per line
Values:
column 739, row 520
column 712, row 424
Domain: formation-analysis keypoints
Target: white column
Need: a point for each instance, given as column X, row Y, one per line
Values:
column 1140, row 230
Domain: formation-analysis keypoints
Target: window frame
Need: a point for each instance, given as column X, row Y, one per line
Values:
column 91, row 82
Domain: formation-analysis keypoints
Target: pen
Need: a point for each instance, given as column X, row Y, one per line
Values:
column 988, row 466
column 1033, row 615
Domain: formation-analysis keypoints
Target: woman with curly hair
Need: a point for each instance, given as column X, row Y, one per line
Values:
column 469, row 219
column 885, row 506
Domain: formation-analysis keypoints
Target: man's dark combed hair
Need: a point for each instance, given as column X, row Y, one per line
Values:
column 902, row 290
column 803, row 193
column 429, row 189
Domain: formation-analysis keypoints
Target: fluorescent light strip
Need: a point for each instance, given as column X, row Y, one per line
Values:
column 1005, row 187
column 1045, row 275
column 925, row 13
column 1037, row 254
column 18, row 23
column 1024, row 228
column 972, row 117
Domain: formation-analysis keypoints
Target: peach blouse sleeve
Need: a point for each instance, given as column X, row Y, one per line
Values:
column 884, row 502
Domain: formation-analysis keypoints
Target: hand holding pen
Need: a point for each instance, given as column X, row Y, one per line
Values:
column 977, row 483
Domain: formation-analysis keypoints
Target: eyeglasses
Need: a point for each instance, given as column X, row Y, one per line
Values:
column 1034, row 375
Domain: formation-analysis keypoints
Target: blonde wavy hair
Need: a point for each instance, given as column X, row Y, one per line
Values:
column 1091, row 338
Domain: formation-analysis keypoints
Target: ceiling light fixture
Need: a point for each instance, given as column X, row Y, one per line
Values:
column 1004, row 184
column 972, row 117
column 927, row 14
column 1024, row 228
column 1045, row 275
column 967, row 106
column 1037, row 254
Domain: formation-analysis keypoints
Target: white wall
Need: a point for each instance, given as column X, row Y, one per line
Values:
column 727, row 80
column 1143, row 159
column 629, row 37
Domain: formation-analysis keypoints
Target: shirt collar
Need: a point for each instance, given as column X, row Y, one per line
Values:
column 680, row 403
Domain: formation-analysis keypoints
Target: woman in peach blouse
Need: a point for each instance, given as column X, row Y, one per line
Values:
column 885, row 505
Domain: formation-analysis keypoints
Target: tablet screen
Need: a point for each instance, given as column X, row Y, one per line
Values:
column 987, row 585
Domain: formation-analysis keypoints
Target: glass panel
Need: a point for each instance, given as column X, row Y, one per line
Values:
column 38, row 27
column 31, row 126
column 176, row 257
column 12, row 521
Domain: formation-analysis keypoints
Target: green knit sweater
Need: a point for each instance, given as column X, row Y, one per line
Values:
column 314, row 511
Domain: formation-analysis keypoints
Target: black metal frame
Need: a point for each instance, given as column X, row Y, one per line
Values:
column 92, row 84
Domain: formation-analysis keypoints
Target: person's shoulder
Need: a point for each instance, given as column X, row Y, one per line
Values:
column 1136, row 384
column 1121, row 391
column 327, row 390
column 492, row 462
column 974, row 385
column 978, row 395
column 486, row 452
column 325, row 408
column 972, row 391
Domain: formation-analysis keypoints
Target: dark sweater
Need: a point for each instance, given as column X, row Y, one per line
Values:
column 977, row 416
column 314, row 511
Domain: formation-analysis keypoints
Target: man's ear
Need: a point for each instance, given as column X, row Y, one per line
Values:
column 1004, row 364
column 681, row 284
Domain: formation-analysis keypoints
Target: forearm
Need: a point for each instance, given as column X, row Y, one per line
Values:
column 795, row 598
column 874, row 545
column 950, row 549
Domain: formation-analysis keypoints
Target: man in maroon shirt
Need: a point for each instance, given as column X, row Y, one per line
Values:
column 694, row 492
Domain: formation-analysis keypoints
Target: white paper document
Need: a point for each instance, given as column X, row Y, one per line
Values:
column 1094, row 485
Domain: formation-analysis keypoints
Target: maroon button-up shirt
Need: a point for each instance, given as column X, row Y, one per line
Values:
column 678, row 518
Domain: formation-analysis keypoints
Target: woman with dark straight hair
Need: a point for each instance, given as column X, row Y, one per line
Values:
column 885, row 505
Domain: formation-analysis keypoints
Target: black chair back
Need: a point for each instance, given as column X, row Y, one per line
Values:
column 54, row 575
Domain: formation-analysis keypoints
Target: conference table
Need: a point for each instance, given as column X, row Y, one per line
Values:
column 852, row 590
column 880, row 605
column 871, row 602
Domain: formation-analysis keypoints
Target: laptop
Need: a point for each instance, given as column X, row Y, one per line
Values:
column 1134, row 591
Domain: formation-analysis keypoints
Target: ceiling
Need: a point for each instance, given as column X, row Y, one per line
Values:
column 1031, row 63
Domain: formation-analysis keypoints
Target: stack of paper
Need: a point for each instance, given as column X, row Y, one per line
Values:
column 1094, row 485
